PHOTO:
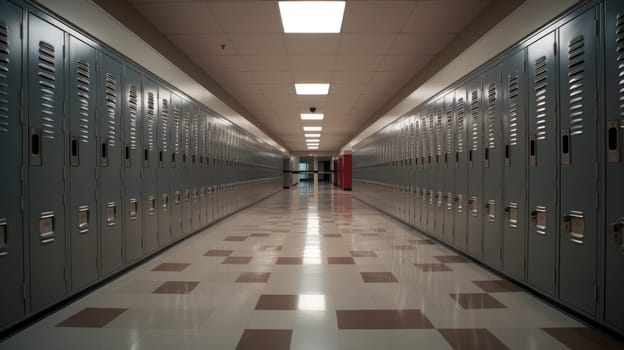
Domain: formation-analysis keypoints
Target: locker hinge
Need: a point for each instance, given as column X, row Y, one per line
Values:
column 24, row 291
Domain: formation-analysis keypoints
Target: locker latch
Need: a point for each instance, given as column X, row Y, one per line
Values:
column 46, row 227
column 474, row 208
column 575, row 226
column 618, row 234
column 111, row 213
column 4, row 238
column 613, row 141
column 539, row 219
column 490, row 206
column 512, row 214
column 83, row 219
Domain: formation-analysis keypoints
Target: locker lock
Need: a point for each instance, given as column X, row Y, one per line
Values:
column 534, row 217
column 618, row 234
column 507, row 209
column 470, row 201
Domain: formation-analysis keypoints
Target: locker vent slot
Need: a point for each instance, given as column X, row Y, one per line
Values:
column 133, row 109
column 83, row 76
column 46, row 227
column 111, row 109
column 439, row 141
column 576, row 75
column 449, row 128
column 491, row 111
column 412, row 143
column 151, row 205
column 186, row 128
column 619, row 47
column 431, row 195
column 133, row 209
column 541, row 92
column 491, row 210
column 164, row 125
column 176, row 129
column 47, row 86
column 575, row 225
column 439, row 199
column 196, row 137
column 83, row 219
column 460, row 124
column 4, row 82
column 111, row 214
column 512, row 212
column 514, row 96
column 431, row 137
column 150, row 121
column 4, row 237
column 474, row 126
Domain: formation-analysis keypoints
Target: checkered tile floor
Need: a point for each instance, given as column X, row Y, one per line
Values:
column 309, row 269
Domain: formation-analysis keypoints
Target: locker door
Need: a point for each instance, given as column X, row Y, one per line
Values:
column 149, row 192
column 110, row 153
column 176, row 181
column 431, row 169
column 579, row 156
column 210, row 170
column 194, row 168
column 438, row 166
column 424, row 169
column 418, row 174
column 461, row 170
column 11, row 238
column 449, row 167
column 614, row 59
column 185, row 184
column 515, row 150
column 132, row 163
column 475, row 167
column 411, row 179
column 82, row 148
column 164, row 168
column 202, row 169
column 542, row 165
column 492, row 168
column 47, row 232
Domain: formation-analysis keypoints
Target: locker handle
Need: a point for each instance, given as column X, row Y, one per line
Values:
column 35, row 143
column 4, row 238
column 613, row 141
column 506, row 151
column 532, row 148
column 470, row 201
column 534, row 216
column 618, row 234
column 507, row 209
column 613, row 138
column 487, row 205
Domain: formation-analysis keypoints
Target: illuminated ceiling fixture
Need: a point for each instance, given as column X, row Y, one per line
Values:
column 312, row 135
column 313, row 140
column 312, row 128
column 312, row 116
column 312, row 89
column 311, row 16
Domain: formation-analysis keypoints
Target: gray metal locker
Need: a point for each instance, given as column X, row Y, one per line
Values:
column 430, row 171
column 579, row 163
column 448, row 195
column 412, row 171
column 492, row 167
column 515, row 162
column 202, row 171
column 185, row 171
column 194, row 168
column 11, row 237
column 418, row 172
column 210, row 169
column 110, row 164
column 475, row 166
column 164, row 167
column 176, row 182
column 614, row 235
column 461, row 170
column 438, row 167
column 132, row 162
column 543, row 165
column 46, row 149
column 82, row 146
column 149, row 191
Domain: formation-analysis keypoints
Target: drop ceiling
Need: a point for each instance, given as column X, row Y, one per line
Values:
column 241, row 45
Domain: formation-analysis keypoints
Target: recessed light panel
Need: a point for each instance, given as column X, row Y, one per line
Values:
column 311, row 16
column 313, row 140
column 312, row 89
column 312, row 135
column 312, row 116
column 312, row 128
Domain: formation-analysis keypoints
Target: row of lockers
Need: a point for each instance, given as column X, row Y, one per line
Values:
column 103, row 164
column 519, row 164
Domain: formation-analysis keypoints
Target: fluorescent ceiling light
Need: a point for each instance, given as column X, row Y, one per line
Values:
column 312, row 116
column 313, row 140
column 311, row 16
column 312, row 135
column 312, row 128
column 312, row 89
column 312, row 147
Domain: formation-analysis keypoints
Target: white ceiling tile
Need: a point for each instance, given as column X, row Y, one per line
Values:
column 258, row 44
column 247, row 16
column 357, row 63
column 274, row 78
column 376, row 16
column 381, row 89
column 365, row 44
column 419, row 44
column 312, row 44
column 220, row 63
column 233, row 78
column 312, row 63
column 180, row 18
column 277, row 90
column 404, row 63
column 352, row 77
column 203, row 44
column 443, row 16
column 312, row 77
column 391, row 78
column 267, row 63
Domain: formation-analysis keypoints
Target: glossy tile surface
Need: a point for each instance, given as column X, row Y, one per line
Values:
column 308, row 269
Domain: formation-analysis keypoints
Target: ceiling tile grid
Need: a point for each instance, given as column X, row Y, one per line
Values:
column 382, row 45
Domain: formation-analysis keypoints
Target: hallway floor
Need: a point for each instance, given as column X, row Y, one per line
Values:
column 309, row 269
